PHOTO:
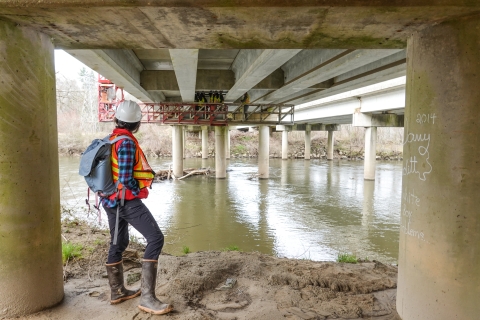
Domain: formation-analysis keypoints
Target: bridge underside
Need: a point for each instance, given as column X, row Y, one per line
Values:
column 290, row 53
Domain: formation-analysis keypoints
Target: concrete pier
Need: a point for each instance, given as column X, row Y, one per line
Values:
column 284, row 145
column 263, row 150
column 227, row 143
column 204, row 142
column 31, row 275
column 330, row 145
column 177, row 150
column 439, row 256
column 184, row 142
column 370, row 155
column 308, row 143
column 220, row 160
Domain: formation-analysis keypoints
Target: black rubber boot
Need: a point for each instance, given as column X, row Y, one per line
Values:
column 115, row 279
column 149, row 302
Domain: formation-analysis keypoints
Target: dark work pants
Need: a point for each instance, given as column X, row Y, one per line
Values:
column 135, row 213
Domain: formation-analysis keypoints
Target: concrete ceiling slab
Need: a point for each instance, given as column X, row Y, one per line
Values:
column 189, row 24
column 287, row 52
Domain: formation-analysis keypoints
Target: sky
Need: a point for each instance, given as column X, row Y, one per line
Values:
column 68, row 66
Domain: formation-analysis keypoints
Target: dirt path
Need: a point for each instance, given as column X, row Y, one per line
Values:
column 266, row 287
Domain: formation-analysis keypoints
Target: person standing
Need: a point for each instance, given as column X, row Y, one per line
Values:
column 132, row 175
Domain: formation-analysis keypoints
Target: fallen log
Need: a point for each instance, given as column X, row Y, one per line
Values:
column 168, row 174
column 195, row 172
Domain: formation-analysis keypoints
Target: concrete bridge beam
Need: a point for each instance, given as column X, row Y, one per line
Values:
column 31, row 275
column 438, row 273
column 177, row 150
column 185, row 63
column 220, row 159
column 252, row 66
column 263, row 152
column 369, row 163
column 377, row 120
column 120, row 66
column 342, row 61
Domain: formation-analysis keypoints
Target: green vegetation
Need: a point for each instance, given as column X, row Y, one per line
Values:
column 134, row 239
column 231, row 248
column 186, row 250
column 70, row 251
column 240, row 149
column 347, row 258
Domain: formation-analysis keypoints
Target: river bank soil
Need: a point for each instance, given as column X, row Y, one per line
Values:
column 265, row 287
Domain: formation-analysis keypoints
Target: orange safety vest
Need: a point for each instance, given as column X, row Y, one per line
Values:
column 142, row 172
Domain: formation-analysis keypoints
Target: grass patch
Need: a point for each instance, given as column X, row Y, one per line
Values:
column 239, row 149
column 186, row 250
column 70, row 251
column 347, row 258
column 231, row 248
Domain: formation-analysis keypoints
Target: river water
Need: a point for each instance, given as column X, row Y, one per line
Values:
column 307, row 209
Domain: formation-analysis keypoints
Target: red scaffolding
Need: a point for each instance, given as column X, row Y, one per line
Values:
column 211, row 114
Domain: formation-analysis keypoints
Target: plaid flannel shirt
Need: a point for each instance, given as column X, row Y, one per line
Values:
column 126, row 160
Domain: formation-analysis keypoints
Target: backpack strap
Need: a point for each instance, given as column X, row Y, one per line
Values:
column 117, row 138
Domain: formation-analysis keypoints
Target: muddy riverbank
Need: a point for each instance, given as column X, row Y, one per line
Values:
column 266, row 287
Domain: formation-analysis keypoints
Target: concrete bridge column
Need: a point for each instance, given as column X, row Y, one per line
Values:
column 439, row 256
column 263, row 150
column 308, row 142
column 330, row 145
column 31, row 275
column 177, row 150
column 184, row 141
column 370, row 155
column 284, row 145
column 204, row 142
column 227, row 143
column 220, row 160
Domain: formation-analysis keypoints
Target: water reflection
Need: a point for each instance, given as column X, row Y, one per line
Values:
column 368, row 201
column 307, row 209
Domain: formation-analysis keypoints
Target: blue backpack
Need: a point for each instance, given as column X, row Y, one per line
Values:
column 96, row 166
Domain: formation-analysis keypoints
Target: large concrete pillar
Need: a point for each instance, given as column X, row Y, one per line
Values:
column 370, row 154
column 31, row 275
column 204, row 142
column 227, row 143
column 284, row 145
column 220, row 160
column 177, row 150
column 308, row 143
column 439, row 256
column 184, row 141
column 263, row 150
column 330, row 145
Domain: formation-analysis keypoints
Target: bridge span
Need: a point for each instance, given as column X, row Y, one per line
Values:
column 289, row 52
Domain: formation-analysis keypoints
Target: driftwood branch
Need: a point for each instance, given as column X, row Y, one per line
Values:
column 199, row 171
column 253, row 176
column 168, row 174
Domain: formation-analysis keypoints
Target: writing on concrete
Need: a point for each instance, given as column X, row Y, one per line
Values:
column 418, row 163
column 410, row 199
column 426, row 118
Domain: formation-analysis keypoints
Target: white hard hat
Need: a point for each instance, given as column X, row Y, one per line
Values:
column 128, row 111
